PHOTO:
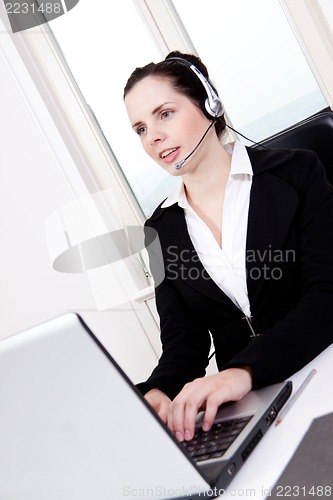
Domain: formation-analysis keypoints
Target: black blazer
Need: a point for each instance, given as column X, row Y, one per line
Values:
column 289, row 262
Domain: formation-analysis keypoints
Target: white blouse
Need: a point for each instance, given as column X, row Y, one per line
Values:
column 226, row 265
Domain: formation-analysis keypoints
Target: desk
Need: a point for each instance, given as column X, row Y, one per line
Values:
column 265, row 465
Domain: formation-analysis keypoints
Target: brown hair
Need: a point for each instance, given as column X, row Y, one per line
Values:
column 183, row 80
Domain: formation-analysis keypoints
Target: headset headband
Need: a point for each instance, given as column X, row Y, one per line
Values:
column 212, row 106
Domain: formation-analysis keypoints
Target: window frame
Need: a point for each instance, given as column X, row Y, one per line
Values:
column 71, row 114
column 315, row 38
column 78, row 127
column 165, row 25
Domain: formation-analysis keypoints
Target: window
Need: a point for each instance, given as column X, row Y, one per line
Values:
column 255, row 61
column 249, row 47
column 102, row 49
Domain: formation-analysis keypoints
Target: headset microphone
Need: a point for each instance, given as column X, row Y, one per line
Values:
column 179, row 165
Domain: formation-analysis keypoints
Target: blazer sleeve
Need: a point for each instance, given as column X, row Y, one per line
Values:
column 185, row 339
column 308, row 329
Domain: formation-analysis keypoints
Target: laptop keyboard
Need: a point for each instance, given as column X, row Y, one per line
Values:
column 215, row 442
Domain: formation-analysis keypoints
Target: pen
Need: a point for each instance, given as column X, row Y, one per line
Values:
column 297, row 394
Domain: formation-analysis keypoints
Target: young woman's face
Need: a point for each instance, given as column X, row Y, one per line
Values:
column 168, row 123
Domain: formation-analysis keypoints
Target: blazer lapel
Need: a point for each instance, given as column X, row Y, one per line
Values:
column 273, row 203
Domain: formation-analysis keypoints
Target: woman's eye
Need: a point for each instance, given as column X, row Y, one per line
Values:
column 140, row 130
column 166, row 114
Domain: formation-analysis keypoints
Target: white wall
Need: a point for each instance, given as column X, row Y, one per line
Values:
column 32, row 186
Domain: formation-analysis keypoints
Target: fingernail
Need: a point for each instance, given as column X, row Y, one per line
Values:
column 179, row 436
column 188, row 435
column 205, row 426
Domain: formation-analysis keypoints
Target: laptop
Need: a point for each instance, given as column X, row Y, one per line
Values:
column 74, row 427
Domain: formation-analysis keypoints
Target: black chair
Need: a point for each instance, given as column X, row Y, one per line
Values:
column 315, row 133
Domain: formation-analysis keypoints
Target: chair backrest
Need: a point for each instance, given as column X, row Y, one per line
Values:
column 315, row 133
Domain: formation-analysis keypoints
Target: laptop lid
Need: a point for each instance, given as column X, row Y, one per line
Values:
column 72, row 425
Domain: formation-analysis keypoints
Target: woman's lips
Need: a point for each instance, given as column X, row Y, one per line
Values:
column 169, row 155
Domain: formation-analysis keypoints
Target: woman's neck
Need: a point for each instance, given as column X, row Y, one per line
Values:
column 208, row 180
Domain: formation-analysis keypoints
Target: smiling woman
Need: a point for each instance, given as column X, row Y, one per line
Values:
column 260, row 283
column 162, row 125
column 166, row 112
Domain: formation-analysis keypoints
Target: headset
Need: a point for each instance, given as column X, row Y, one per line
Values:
column 212, row 106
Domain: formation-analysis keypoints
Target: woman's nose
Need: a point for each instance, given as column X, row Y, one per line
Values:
column 155, row 135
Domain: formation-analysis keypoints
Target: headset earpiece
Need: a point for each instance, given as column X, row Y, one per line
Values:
column 212, row 106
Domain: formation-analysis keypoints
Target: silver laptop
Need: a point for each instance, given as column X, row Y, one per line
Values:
column 73, row 426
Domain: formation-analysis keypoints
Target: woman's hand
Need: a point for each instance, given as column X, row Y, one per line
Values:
column 159, row 402
column 207, row 394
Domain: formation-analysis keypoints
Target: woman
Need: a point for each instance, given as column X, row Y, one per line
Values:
column 247, row 249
